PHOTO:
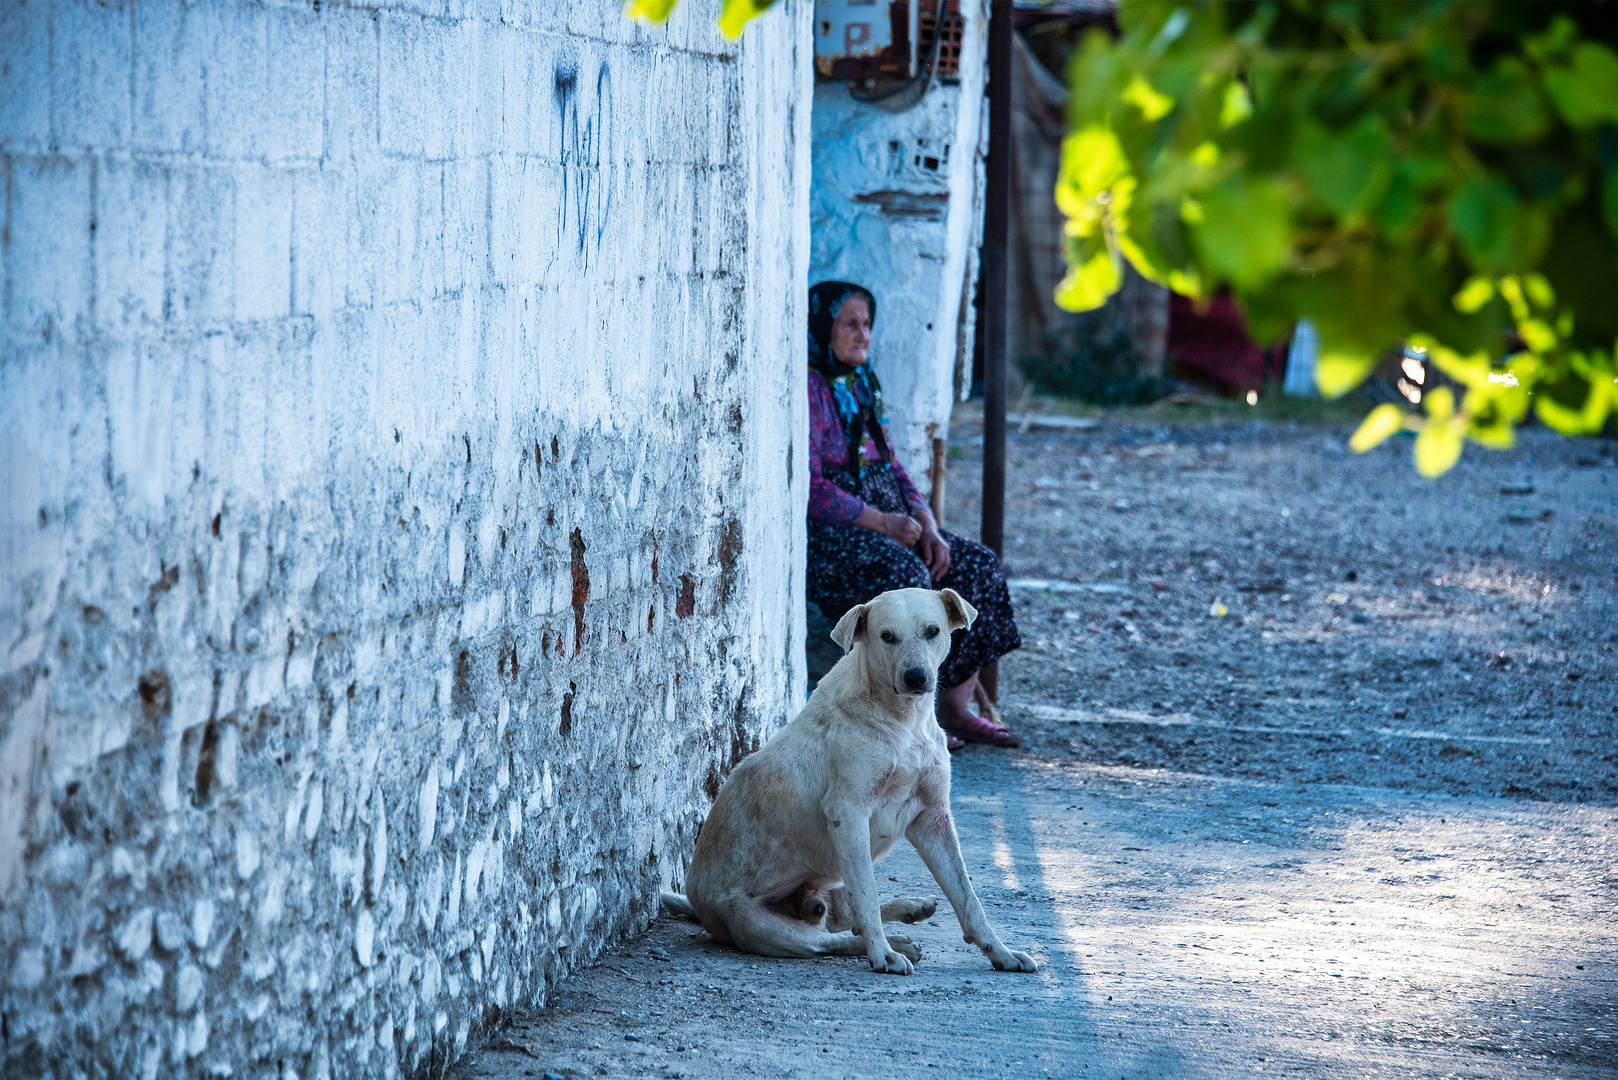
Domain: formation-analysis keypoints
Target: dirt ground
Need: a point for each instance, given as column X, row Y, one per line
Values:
column 1381, row 629
column 1317, row 779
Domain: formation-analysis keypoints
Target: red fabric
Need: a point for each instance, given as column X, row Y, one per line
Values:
column 1212, row 343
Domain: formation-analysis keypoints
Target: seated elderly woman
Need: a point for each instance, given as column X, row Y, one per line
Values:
column 870, row 530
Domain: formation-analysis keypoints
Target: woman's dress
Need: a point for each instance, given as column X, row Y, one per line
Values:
column 850, row 565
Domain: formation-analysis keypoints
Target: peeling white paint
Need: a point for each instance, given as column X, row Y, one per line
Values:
column 295, row 444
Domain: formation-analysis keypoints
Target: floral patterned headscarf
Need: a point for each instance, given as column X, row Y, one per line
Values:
column 856, row 390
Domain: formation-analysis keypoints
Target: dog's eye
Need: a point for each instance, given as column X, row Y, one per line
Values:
column 887, row 635
column 932, row 631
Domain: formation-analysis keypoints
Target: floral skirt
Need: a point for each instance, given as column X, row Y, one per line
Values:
column 849, row 565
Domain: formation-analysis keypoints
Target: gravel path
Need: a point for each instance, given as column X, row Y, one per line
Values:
column 1358, row 825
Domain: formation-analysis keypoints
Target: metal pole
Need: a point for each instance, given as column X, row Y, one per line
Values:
column 996, row 230
column 996, row 259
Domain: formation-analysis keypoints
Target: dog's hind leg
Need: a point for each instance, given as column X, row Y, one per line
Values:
column 909, row 909
column 755, row 928
column 905, row 909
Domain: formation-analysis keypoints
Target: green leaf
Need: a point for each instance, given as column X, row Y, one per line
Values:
column 1235, row 105
column 1347, row 170
column 1378, row 424
column 1586, row 91
column 1245, row 235
column 1474, row 294
column 1496, row 230
column 1092, row 161
column 1088, row 285
column 1609, row 199
column 1438, row 447
column 1338, row 372
column 1586, row 417
column 1440, row 403
column 1152, row 105
column 654, row 11
column 736, row 14
column 1505, row 107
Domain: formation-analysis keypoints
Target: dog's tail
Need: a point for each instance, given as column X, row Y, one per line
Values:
column 675, row 904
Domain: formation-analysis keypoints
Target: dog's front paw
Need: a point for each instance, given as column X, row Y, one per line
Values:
column 1005, row 959
column 890, row 962
column 906, row 947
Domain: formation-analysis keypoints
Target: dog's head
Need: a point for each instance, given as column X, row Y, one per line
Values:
column 906, row 636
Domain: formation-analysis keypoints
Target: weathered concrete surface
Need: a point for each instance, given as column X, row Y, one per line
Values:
column 1186, row 926
column 897, row 207
column 1230, row 853
column 394, row 403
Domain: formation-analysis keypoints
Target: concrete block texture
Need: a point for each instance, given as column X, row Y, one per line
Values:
column 403, row 455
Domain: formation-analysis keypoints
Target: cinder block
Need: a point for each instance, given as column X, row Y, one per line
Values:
column 319, row 254
column 141, row 386
column 202, row 225
column 131, row 214
column 544, row 218
column 428, row 255
column 423, row 80
column 172, row 44
column 296, row 77
column 25, row 77
column 236, row 74
column 351, row 84
column 91, row 58
column 465, row 229
column 397, row 234
column 485, row 126
column 630, row 89
column 526, row 123
column 505, row 173
column 360, row 210
column 263, row 247
column 48, row 255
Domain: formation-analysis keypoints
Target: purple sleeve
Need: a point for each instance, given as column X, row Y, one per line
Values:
column 827, row 501
column 913, row 497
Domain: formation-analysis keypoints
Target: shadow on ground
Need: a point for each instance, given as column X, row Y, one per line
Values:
column 1356, row 826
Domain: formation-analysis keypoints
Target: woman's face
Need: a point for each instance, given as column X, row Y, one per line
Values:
column 851, row 332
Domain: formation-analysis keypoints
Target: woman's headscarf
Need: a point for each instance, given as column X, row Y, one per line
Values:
column 856, row 390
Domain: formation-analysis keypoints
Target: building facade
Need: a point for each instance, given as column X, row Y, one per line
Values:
column 404, row 464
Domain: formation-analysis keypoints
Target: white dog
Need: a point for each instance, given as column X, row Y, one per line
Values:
column 783, row 865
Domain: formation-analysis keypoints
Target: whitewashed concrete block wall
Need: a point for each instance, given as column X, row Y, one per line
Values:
column 403, row 462
column 897, row 206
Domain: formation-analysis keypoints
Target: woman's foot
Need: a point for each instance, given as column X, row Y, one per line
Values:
column 975, row 729
column 955, row 716
column 953, row 744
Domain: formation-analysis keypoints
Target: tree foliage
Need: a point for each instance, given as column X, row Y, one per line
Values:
column 1438, row 174
column 733, row 14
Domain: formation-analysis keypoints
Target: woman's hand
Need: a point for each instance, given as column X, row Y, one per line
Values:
column 934, row 551
column 901, row 527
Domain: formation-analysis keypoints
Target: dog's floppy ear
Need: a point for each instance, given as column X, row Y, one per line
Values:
column 960, row 613
column 851, row 627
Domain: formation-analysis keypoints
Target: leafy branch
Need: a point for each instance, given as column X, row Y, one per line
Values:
column 1442, row 177
column 734, row 15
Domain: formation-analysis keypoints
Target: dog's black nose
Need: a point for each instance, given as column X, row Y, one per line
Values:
column 916, row 679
